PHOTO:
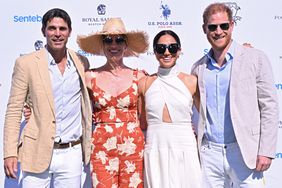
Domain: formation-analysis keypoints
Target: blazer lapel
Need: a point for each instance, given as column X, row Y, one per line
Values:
column 42, row 64
column 201, row 82
column 78, row 65
column 236, row 66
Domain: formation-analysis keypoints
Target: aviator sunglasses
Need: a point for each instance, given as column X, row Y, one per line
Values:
column 223, row 26
column 161, row 48
column 109, row 40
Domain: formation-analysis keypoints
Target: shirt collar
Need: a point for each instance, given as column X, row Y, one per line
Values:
column 229, row 56
column 52, row 61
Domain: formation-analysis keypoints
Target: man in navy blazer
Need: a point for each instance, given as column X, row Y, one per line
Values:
column 238, row 112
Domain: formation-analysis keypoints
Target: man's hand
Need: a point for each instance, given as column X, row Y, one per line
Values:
column 263, row 163
column 11, row 167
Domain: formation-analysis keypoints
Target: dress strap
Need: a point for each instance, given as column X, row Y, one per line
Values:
column 135, row 76
column 146, row 85
column 93, row 79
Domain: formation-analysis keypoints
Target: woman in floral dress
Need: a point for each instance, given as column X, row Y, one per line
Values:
column 118, row 141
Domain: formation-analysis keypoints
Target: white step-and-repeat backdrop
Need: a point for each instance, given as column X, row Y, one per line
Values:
column 257, row 22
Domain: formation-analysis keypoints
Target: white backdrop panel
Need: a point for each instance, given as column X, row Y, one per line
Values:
column 259, row 23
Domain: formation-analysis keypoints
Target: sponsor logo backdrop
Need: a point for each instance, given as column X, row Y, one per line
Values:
column 259, row 23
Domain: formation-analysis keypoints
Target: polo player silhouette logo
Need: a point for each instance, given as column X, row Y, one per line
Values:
column 101, row 9
column 165, row 11
column 38, row 45
column 235, row 8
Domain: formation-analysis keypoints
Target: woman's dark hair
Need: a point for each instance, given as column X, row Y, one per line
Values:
column 166, row 32
column 53, row 13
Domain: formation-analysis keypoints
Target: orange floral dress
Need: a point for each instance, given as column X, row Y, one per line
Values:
column 118, row 141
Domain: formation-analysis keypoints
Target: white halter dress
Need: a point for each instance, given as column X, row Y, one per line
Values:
column 170, row 155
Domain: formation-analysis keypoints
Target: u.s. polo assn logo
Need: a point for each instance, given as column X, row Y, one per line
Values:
column 164, row 21
column 165, row 11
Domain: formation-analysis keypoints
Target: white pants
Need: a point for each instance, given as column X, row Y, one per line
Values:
column 223, row 166
column 64, row 171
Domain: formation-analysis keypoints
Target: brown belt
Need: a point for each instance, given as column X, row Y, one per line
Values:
column 66, row 145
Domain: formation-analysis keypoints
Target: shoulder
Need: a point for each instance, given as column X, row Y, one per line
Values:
column 89, row 76
column 190, row 81
column 141, row 73
column 81, row 58
column 188, row 78
column 145, row 82
column 91, row 73
column 197, row 64
column 30, row 58
column 248, row 51
column 254, row 56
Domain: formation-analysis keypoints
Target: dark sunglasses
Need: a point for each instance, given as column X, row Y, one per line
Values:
column 223, row 26
column 109, row 40
column 172, row 48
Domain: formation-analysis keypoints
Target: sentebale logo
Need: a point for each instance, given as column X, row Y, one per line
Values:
column 29, row 18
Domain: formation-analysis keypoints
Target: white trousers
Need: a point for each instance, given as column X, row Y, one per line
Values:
column 64, row 171
column 223, row 167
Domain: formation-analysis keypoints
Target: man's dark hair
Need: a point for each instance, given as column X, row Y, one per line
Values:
column 53, row 13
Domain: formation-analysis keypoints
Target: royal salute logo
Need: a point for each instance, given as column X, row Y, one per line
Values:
column 164, row 21
column 101, row 9
column 235, row 9
column 38, row 45
column 99, row 19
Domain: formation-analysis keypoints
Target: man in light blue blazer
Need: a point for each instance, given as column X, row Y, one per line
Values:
column 238, row 112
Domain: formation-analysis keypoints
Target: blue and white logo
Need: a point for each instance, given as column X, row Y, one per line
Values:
column 97, row 20
column 166, row 22
column 27, row 18
column 101, row 9
column 278, row 86
column 278, row 156
column 38, row 45
column 165, row 11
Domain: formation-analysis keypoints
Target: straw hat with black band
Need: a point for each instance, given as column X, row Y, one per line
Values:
column 137, row 41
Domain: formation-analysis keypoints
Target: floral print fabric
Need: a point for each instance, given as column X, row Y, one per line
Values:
column 118, row 142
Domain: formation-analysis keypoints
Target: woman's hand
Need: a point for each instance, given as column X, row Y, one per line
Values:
column 26, row 113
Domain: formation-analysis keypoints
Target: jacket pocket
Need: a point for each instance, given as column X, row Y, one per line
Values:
column 31, row 133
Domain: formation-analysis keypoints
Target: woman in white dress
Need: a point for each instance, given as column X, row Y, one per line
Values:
column 170, row 155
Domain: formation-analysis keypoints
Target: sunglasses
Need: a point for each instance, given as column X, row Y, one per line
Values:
column 172, row 48
column 109, row 40
column 223, row 26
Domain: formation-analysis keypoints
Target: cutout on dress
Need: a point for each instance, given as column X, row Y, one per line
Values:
column 166, row 115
